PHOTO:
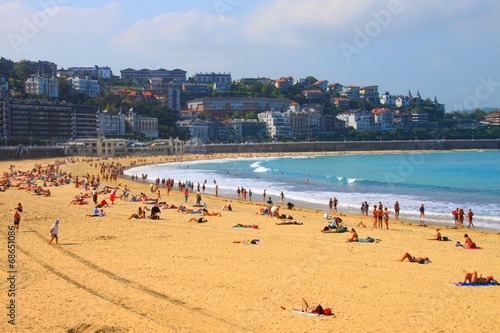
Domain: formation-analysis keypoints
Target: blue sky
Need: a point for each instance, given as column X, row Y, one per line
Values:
column 448, row 48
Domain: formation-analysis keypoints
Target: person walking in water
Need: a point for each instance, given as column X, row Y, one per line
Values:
column 396, row 210
column 470, row 214
column 422, row 211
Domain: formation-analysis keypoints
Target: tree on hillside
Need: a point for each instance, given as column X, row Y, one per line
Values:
column 478, row 114
column 311, row 79
column 267, row 89
column 21, row 71
column 64, row 88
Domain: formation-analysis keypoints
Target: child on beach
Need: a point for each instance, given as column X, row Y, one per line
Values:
column 54, row 232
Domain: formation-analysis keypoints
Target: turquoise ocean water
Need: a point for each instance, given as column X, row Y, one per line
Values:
column 442, row 181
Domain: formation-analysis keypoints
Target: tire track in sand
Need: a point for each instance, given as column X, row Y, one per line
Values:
column 126, row 283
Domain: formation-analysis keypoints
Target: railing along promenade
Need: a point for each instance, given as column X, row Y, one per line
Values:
column 34, row 152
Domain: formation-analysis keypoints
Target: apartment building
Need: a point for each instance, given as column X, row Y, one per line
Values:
column 40, row 85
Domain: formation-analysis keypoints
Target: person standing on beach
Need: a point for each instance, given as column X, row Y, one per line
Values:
column 422, row 211
column 282, row 196
column 396, row 210
column 455, row 217
column 470, row 214
column 330, row 204
column 186, row 195
column 335, row 203
column 367, row 207
column 94, row 196
column 17, row 219
column 374, row 212
column 380, row 217
column 264, row 196
column 54, row 231
column 386, row 217
column 216, row 191
column 250, row 194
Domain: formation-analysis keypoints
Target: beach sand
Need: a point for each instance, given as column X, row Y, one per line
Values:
column 114, row 274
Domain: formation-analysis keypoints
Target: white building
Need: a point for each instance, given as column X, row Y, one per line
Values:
column 384, row 118
column 111, row 124
column 148, row 126
column 321, row 84
column 212, row 77
column 360, row 121
column 120, row 124
column 104, row 72
column 351, row 92
column 198, row 129
column 403, row 101
column 277, row 124
column 39, row 85
column 85, row 86
column 387, row 99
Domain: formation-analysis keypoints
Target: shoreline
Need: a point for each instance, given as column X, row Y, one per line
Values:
column 351, row 211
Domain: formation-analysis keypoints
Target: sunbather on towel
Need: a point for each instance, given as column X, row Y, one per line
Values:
column 288, row 222
column 253, row 226
column 473, row 278
column 420, row 260
column 249, row 241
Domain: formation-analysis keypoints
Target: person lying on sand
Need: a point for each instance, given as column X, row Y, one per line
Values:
column 473, row 278
column 420, row 260
column 211, row 214
column 197, row 220
column 318, row 309
column 253, row 226
column 250, row 241
column 289, row 222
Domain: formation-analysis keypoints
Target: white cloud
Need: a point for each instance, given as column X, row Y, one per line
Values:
column 295, row 22
column 49, row 31
column 176, row 29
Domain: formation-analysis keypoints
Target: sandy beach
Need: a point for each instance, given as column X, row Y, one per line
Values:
column 115, row 274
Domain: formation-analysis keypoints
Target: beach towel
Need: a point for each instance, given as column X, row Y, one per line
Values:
column 308, row 314
column 252, row 242
column 458, row 244
column 367, row 240
column 240, row 227
column 470, row 248
column 336, row 231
